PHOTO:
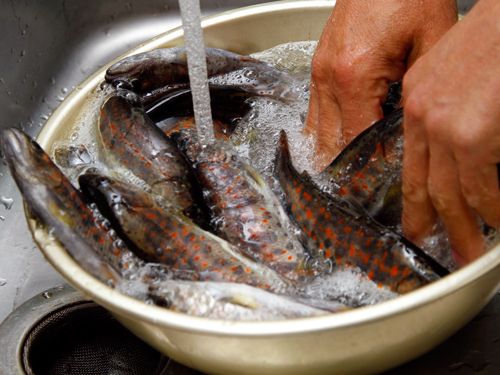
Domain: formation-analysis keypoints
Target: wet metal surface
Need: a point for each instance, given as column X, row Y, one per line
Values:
column 50, row 47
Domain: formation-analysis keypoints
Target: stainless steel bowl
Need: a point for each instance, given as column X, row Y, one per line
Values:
column 364, row 341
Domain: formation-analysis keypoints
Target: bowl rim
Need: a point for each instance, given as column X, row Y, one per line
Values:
column 132, row 308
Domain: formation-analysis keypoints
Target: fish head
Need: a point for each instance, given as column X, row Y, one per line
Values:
column 28, row 162
column 113, row 192
column 146, row 70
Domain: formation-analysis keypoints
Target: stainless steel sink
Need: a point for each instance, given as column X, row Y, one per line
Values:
column 47, row 49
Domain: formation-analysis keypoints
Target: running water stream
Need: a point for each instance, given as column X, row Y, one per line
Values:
column 197, row 66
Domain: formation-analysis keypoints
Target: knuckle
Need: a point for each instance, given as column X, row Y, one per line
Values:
column 415, row 108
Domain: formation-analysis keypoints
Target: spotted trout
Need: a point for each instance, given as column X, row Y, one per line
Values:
column 153, row 70
column 337, row 234
column 244, row 210
column 131, row 142
column 368, row 171
column 76, row 224
column 163, row 236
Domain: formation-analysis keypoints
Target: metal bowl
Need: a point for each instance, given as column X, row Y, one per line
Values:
column 364, row 341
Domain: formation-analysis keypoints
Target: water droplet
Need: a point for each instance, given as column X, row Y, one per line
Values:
column 52, row 80
column 2, row 218
column 34, row 83
column 46, row 295
column 44, row 117
column 59, row 287
column 23, row 52
column 64, row 90
column 3, row 282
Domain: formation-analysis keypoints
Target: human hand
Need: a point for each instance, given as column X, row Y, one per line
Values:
column 452, row 134
column 365, row 45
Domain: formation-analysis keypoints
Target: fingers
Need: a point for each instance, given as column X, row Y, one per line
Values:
column 419, row 215
column 480, row 186
column 345, row 100
column 324, row 123
column 460, row 220
column 433, row 183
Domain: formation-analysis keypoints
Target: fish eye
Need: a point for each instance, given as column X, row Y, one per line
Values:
column 35, row 146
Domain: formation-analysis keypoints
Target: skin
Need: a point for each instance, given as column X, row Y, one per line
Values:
column 450, row 88
column 365, row 45
column 451, row 141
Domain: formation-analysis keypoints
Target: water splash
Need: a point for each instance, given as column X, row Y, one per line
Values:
column 197, row 63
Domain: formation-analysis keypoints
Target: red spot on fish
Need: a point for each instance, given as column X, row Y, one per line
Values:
column 351, row 250
column 347, row 229
column 370, row 275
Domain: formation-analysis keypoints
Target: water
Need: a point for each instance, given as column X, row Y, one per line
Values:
column 193, row 37
column 256, row 139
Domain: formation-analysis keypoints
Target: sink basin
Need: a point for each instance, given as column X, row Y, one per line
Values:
column 53, row 49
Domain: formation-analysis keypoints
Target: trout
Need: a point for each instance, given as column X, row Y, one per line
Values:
column 232, row 301
column 130, row 141
column 163, row 236
column 73, row 221
column 244, row 210
column 345, row 238
column 150, row 71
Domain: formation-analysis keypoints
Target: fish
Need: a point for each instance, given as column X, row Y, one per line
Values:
column 129, row 141
column 338, row 234
column 72, row 220
column 231, row 301
column 243, row 209
column 229, row 104
column 368, row 172
column 150, row 71
column 164, row 236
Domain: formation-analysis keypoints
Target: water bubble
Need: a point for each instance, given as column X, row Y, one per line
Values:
column 23, row 53
column 64, row 90
column 46, row 295
column 3, row 282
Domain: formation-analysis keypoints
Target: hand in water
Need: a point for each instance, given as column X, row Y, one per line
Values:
column 452, row 133
column 365, row 45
